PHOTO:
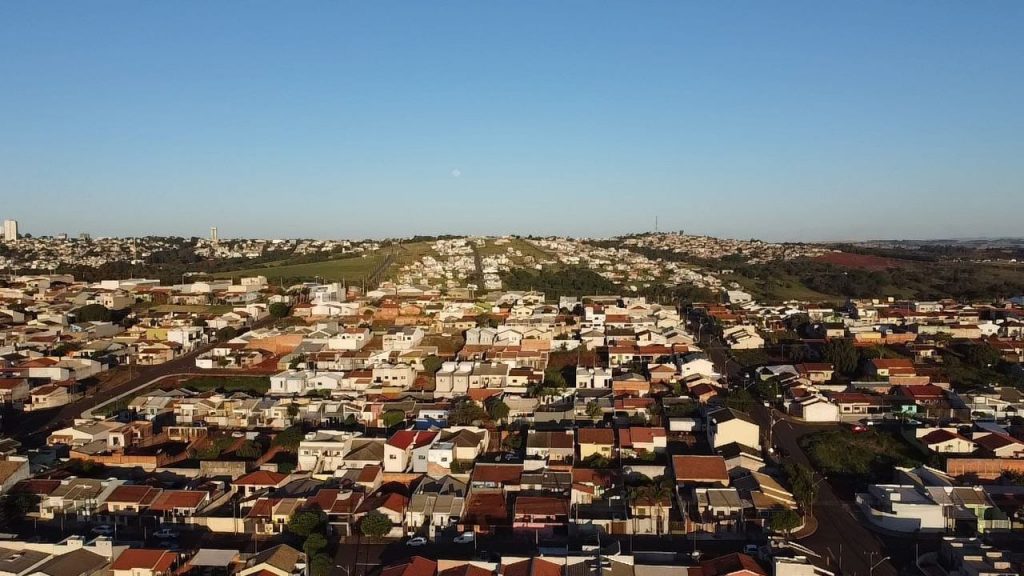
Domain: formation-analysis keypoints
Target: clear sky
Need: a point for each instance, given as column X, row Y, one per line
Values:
column 780, row 120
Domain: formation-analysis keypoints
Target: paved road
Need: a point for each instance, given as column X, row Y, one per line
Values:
column 844, row 543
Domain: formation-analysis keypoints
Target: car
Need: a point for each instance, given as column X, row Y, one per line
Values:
column 465, row 538
column 237, row 434
column 858, row 428
column 165, row 533
column 417, row 541
column 103, row 530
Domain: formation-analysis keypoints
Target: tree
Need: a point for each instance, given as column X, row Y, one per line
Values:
column 393, row 418
column 431, row 364
column 289, row 438
column 306, row 522
column 497, row 409
column 801, row 478
column 784, row 521
column 981, row 355
column 14, row 506
column 314, row 544
column 486, row 321
column 594, row 410
column 466, row 412
column 375, row 525
column 93, row 313
column 843, row 355
column 279, row 309
column 321, row 565
column 226, row 333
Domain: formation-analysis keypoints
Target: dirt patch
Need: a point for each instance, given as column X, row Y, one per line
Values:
column 862, row 261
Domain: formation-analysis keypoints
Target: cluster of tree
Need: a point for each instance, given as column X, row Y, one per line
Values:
column 310, row 526
column 569, row 281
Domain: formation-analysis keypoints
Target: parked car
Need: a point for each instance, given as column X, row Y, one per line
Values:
column 465, row 538
column 165, row 533
column 103, row 530
column 417, row 541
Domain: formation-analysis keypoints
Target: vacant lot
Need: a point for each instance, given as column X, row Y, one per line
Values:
column 859, row 459
column 251, row 384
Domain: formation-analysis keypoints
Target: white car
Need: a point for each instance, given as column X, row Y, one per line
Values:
column 417, row 541
column 103, row 530
column 165, row 533
column 465, row 538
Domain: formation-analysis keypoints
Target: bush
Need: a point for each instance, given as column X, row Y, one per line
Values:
column 226, row 333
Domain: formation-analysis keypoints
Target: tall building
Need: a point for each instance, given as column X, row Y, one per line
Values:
column 10, row 230
column 213, row 234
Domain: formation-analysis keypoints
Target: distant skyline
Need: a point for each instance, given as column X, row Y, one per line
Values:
column 789, row 121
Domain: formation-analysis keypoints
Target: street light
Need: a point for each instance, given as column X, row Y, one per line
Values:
column 871, row 570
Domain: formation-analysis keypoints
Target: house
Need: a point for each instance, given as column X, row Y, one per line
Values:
column 639, row 440
column 13, row 390
column 259, row 481
column 999, row 445
column 596, row 442
column 543, row 515
column 736, row 564
column 392, row 505
column 555, row 446
column 742, row 338
column 816, row 373
column 80, row 562
column 436, row 504
column 944, row 441
column 13, row 469
column 593, row 377
column 144, row 562
column 406, row 448
column 726, row 425
column 718, row 511
column 179, row 505
column 128, row 501
column 51, row 396
column 814, row 408
column 901, row 508
column 886, row 367
column 402, row 338
column 280, row 560
column 700, row 470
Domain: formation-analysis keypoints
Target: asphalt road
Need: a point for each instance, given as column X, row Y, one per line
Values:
column 845, row 545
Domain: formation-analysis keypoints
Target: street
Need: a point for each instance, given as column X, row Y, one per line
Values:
column 845, row 545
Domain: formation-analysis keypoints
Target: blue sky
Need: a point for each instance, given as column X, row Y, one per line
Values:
column 779, row 120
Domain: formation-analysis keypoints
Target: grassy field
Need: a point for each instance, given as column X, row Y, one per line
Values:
column 783, row 287
column 493, row 248
column 348, row 269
